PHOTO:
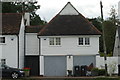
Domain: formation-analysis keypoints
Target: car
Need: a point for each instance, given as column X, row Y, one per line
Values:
column 11, row 72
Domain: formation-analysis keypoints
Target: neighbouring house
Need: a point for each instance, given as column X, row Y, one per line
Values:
column 117, row 37
column 12, row 38
column 68, row 40
column 32, row 49
column 117, row 42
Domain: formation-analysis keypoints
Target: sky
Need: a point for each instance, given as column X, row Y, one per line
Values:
column 88, row 8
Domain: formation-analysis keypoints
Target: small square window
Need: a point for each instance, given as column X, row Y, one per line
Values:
column 55, row 41
column 3, row 61
column 2, row 39
column 80, row 41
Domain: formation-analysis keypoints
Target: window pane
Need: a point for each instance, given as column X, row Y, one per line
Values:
column 2, row 39
column 51, row 41
column 58, row 41
column 80, row 41
column 3, row 61
column 87, row 41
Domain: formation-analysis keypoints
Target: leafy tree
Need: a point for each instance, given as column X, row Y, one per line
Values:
column 113, row 15
column 21, row 7
column 110, row 30
column 97, row 23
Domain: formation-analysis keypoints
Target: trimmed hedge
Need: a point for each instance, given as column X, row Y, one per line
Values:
column 96, row 79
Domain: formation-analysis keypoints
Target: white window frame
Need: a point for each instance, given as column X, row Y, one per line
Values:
column 2, row 40
column 3, row 61
column 54, row 41
column 85, row 42
column 80, row 41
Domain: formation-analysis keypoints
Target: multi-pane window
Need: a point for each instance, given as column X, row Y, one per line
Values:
column 2, row 39
column 87, row 41
column 80, row 41
column 58, row 41
column 3, row 61
column 55, row 41
column 83, row 41
column 51, row 41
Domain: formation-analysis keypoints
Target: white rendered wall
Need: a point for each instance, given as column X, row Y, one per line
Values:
column 41, row 65
column 69, row 63
column 10, row 50
column 32, row 44
column 110, row 61
column 21, row 44
column 69, row 10
column 69, row 45
column 119, row 10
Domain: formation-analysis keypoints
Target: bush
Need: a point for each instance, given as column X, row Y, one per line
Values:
column 95, row 71
column 101, row 72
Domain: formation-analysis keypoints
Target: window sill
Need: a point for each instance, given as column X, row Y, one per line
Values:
column 2, row 43
column 54, row 45
column 83, row 45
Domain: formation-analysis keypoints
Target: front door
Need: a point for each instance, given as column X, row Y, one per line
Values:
column 32, row 62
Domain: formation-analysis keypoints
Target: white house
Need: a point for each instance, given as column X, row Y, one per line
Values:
column 117, row 37
column 68, row 40
column 32, row 49
column 12, row 38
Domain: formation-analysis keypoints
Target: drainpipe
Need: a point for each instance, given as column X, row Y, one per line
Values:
column 24, row 46
column 39, row 45
column 18, row 49
column 39, row 54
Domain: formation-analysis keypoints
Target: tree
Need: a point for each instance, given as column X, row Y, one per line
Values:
column 113, row 15
column 97, row 23
column 110, row 30
column 21, row 7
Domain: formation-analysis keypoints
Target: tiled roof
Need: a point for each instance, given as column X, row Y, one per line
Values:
column 33, row 29
column 69, row 22
column 11, row 23
column 69, row 25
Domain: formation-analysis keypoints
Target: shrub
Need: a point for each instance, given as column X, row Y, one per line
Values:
column 101, row 72
column 95, row 71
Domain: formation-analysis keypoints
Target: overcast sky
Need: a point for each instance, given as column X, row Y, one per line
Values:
column 88, row 8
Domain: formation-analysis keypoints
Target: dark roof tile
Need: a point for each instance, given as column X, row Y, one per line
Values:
column 69, row 25
column 33, row 29
column 11, row 23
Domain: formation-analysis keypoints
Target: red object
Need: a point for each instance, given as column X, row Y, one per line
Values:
column 26, row 68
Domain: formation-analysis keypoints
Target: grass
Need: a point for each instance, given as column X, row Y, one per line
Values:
column 85, row 78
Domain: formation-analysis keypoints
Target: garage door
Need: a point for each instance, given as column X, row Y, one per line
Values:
column 55, row 65
column 84, row 60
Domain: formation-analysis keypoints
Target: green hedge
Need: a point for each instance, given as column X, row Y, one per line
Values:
column 96, row 79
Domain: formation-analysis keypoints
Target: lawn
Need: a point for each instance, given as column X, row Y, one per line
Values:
column 86, row 78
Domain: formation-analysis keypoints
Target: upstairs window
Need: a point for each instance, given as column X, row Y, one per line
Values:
column 51, row 41
column 84, row 41
column 58, row 41
column 87, row 41
column 3, row 61
column 2, row 39
column 80, row 41
column 55, row 41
